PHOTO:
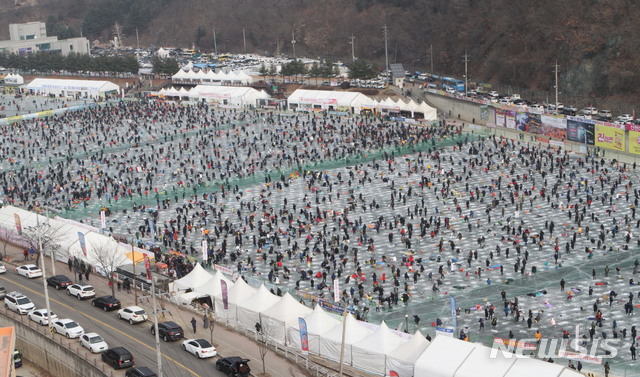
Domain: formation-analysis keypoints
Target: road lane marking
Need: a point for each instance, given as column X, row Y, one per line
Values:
column 103, row 324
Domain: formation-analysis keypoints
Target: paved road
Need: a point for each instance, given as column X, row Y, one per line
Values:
column 136, row 338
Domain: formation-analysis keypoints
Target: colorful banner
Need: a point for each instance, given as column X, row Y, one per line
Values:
column 609, row 137
column 304, row 336
column 500, row 117
column 529, row 122
column 225, row 294
column 580, row 130
column 510, row 119
column 515, row 343
column 16, row 218
column 205, row 253
column 454, row 314
column 147, row 266
column 152, row 227
column 634, row 141
column 83, row 243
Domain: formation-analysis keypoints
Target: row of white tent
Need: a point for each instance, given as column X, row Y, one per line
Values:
column 388, row 105
column 102, row 252
column 368, row 347
column 239, row 96
column 13, row 79
column 211, row 77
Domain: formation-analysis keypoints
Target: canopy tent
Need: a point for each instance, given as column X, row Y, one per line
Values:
column 527, row 367
column 443, row 357
column 13, row 79
column 249, row 310
column 162, row 53
column 196, row 277
column 330, row 343
column 238, row 96
column 310, row 100
column 69, row 87
column 410, row 109
column 370, row 353
column 213, row 286
column 403, row 358
column 237, row 294
column 319, row 322
column 135, row 256
column 281, row 315
column 188, row 75
column 480, row 363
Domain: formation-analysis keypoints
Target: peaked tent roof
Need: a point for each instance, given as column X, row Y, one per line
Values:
column 369, row 353
column 443, row 357
column 287, row 310
column 319, row 321
column 213, row 286
column 480, row 363
column 353, row 334
column 527, row 367
column 259, row 302
column 411, row 350
column 240, row 291
column 196, row 277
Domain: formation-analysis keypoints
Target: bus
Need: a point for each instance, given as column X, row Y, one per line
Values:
column 450, row 82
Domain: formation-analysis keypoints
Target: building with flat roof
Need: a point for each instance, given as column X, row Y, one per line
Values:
column 7, row 346
column 32, row 37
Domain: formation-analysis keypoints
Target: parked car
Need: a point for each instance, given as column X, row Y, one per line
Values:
column 605, row 114
column 493, row 93
column 93, row 342
column 505, row 101
column 118, row 357
column 625, row 118
column 81, row 291
column 42, row 317
column 200, row 348
column 589, row 111
column 140, row 372
column 3, row 269
column 234, row 366
column 18, row 302
column 106, row 303
column 537, row 107
column 29, row 271
column 59, row 281
column 515, row 96
column 68, row 328
column 168, row 330
column 133, row 314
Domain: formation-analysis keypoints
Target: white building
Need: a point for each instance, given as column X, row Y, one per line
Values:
column 321, row 100
column 32, row 37
column 73, row 88
column 232, row 96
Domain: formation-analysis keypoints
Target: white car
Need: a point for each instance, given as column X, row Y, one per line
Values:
column 493, row 93
column 133, row 314
column 625, row 118
column 68, row 328
column 515, row 96
column 199, row 348
column 81, row 291
column 41, row 316
column 29, row 271
column 3, row 269
column 505, row 101
column 93, row 342
column 18, row 302
column 589, row 111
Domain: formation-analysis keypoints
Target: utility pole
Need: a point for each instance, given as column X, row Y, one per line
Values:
column 155, row 326
column 293, row 43
column 215, row 42
column 386, row 48
column 431, row 58
column 44, row 274
column 244, row 41
column 137, row 38
column 135, row 290
column 353, row 47
column 556, row 85
column 277, row 45
column 344, row 331
column 466, row 78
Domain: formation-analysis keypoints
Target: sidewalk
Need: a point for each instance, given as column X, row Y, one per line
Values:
column 227, row 342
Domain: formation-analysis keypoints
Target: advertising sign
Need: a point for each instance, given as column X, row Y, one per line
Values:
column 225, row 294
column 304, row 336
column 500, row 118
column 16, row 218
column 83, row 243
column 205, row 247
column 609, row 137
column 510, row 119
column 580, row 130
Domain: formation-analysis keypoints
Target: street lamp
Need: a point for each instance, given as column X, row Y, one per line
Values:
column 406, row 323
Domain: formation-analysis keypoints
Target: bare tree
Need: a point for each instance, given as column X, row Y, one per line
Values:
column 107, row 257
column 45, row 235
column 264, row 332
column 5, row 234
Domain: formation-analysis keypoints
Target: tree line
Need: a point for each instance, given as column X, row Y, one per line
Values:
column 43, row 61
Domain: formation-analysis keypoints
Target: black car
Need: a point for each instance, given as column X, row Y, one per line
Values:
column 118, row 357
column 234, row 366
column 168, row 331
column 140, row 372
column 3, row 292
column 106, row 303
column 59, row 281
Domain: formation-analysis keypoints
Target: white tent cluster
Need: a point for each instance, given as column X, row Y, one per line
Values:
column 375, row 349
column 235, row 96
column 389, row 107
column 13, row 79
column 61, row 235
column 211, row 77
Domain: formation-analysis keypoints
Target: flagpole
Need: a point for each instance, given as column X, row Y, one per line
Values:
column 344, row 331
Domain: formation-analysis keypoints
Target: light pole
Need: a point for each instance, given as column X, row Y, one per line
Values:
column 155, row 326
column 406, row 323
column 38, row 230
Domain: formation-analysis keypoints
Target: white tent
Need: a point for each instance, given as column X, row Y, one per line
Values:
column 330, row 343
column 181, row 74
column 319, row 322
column 13, row 79
column 310, row 100
column 237, row 294
column 196, row 277
column 370, row 353
column 249, row 310
column 480, row 363
column 443, row 357
column 69, row 87
column 237, row 96
column 527, row 367
column 162, row 53
column 281, row 315
column 403, row 358
column 213, row 286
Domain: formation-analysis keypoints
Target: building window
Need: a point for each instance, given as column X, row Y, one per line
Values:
column 70, row 47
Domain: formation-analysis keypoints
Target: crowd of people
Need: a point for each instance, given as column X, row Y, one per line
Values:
column 495, row 222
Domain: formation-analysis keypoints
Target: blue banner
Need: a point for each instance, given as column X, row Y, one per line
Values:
column 83, row 244
column 152, row 227
column 454, row 316
column 304, row 336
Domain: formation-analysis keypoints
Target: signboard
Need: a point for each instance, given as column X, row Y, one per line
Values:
column 103, row 219
column 321, row 101
column 16, row 218
column 444, row 331
column 304, row 336
column 510, row 119
column 205, row 248
column 336, row 290
column 580, row 130
column 609, row 137
column 223, row 269
column 83, row 243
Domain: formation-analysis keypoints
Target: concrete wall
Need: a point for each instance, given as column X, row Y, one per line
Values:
column 466, row 111
column 59, row 356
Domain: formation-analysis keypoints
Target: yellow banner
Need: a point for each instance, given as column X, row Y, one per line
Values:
column 609, row 137
column 16, row 118
column 634, row 142
column 46, row 113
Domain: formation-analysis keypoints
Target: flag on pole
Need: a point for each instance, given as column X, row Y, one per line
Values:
column 454, row 316
column 83, row 243
column 225, row 294
column 304, row 336
column 205, row 253
column 16, row 217
column 147, row 266
column 336, row 290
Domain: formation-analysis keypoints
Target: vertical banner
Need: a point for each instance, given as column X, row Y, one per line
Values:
column 336, row 290
column 225, row 294
column 83, row 243
column 304, row 336
column 205, row 253
column 454, row 316
column 510, row 119
column 500, row 117
column 152, row 227
column 147, row 265
column 16, row 217
column 103, row 219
